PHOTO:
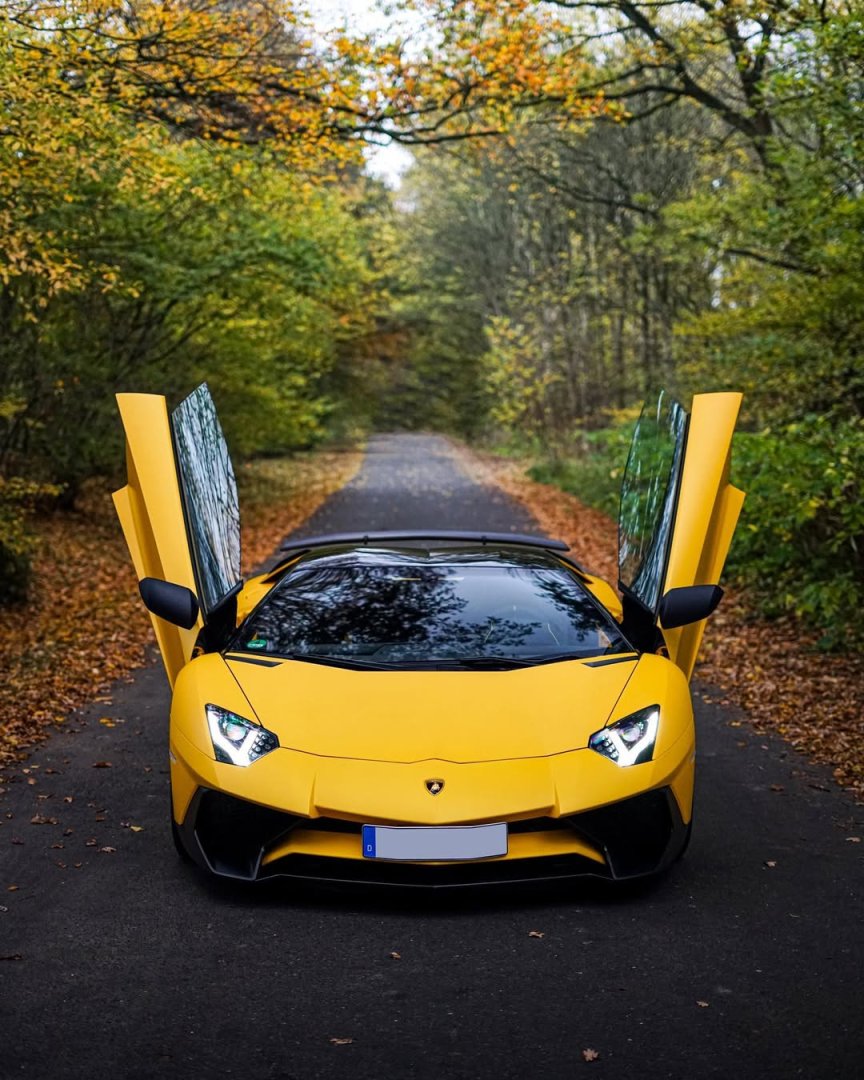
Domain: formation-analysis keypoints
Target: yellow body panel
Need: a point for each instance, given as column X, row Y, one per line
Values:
column 416, row 715
column 151, row 514
column 604, row 592
column 706, row 515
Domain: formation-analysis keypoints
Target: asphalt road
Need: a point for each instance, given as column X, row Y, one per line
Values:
column 745, row 961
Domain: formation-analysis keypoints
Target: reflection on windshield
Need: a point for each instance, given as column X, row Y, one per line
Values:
column 648, row 494
column 395, row 613
column 210, row 495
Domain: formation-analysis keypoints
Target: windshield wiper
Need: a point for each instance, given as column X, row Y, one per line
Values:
column 333, row 660
column 481, row 661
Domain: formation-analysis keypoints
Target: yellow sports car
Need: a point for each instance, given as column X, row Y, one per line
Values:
column 429, row 708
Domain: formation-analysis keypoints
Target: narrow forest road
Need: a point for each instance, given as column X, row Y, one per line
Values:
column 746, row 961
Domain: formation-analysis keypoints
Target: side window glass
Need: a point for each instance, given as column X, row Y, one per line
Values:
column 209, row 495
column 648, row 495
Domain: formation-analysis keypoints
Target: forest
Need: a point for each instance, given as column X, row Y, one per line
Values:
column 605, row 198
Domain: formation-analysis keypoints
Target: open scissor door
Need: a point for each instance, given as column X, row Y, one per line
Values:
column 179, row 509
column 678, row 510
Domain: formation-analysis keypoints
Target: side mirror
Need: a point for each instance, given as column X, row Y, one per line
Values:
column 679, row 607
column 173, row 603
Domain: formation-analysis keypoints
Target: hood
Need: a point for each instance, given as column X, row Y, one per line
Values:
column 407, row 716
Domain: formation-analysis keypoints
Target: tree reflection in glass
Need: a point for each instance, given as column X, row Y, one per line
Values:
column 390, row 613
column 210, row 496
column 648, row 493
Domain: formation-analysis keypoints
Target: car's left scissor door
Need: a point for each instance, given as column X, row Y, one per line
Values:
column 179, row 508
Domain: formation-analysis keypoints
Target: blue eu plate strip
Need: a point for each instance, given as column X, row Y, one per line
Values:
column 369, row 841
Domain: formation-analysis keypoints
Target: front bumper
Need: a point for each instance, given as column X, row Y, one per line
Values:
column 296, row 815
column 236, row 839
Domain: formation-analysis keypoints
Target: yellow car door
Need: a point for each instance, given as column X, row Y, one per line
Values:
column 678, row 512
column 179, row 509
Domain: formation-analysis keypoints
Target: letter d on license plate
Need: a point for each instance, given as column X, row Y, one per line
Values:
column 435, row 843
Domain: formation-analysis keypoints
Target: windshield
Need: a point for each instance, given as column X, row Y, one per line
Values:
column 396, row 614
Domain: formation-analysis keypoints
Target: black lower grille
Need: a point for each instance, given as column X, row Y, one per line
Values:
column 233, row 833
column 637, row 836
column 416, row 875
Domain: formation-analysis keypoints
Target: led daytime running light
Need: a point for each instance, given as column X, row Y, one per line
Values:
column 237, row 741
column 628, row 741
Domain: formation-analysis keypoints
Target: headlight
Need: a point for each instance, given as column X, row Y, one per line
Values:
column 237, row 741
column 631, row 740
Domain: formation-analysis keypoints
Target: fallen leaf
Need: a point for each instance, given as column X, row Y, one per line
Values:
column 11, row 888
column 536, row 933
column 40, row 819
column 108, row 850
column 395, row 956
column 101, row 765
column 770, row 863
column 31, row 781
column 107, row 721
column 17, row 840
column 335, row 1041
column 68, row 798
column 777, row 787
column 57, row 847
column 702, row 1004
column 92, row 842
column 12, row 956
column 590, row 1055
column 853, row 839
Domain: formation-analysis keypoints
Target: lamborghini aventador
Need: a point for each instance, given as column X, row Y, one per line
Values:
column 429, row 708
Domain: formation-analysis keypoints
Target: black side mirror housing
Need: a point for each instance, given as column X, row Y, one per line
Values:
column 679, row 607
column 174, row 603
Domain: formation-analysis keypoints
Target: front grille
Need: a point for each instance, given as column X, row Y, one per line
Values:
column 637, row 836
column 540, row 824
column 233, row 833
column 440, row 876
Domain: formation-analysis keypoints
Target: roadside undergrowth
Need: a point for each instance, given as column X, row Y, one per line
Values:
column 84, row 626
column 772, row 669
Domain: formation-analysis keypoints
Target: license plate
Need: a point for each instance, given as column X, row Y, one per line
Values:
column 437, row 843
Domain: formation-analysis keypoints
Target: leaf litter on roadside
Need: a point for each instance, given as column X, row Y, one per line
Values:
column 86, row 626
